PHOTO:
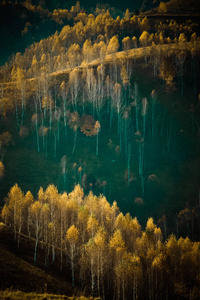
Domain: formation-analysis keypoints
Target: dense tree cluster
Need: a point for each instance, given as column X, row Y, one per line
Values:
column 107, row 253
column 91, row 37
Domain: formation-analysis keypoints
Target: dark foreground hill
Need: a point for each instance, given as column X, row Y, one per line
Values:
column 21, row 280
column 18, row 272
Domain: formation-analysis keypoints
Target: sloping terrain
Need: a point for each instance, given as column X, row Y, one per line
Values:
column 137, row 54
column 18, row 295
column 176, row 8
column 19, row 274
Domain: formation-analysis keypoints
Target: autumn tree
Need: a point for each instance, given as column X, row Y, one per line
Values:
column 117, row 248
column 87, row 51
column 113, row 45
column 51, row 197
column 92, row 225
column 162, row 9
column 19, row 75
column 14, row 213
column 72, row 238
column 74, row 56
column 144, row 40
column 2, row 169
column 28, row 201
column 97, row 127
column 144, row 25
column 167, row 71
column 101, row 259
column 89, row 264
column 118, row 103
column 100, row 90
column 88, row 125
column 36, row 222
column 64, row 93
column 74, row 84
column 126, row 43
column 91, row 87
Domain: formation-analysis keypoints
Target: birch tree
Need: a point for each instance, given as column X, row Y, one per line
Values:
column 36, row 222
column 72, row 238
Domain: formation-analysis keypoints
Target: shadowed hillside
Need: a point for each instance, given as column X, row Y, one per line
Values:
column 176, row 8
column 18, row 272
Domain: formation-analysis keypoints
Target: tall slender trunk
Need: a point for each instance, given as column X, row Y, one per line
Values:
column 136, row 106
column 75, row 137
column 97, row 144
column 129, row 159
column 16, row 111
column 54, row 145
column 36, row 245
column 61, row 243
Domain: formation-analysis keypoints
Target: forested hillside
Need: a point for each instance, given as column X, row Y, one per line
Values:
column 104, row 112
column 107, row 253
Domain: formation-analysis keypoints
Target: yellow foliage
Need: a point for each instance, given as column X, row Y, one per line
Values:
column 126, row 42
column 83, row 214
column 116, row 242
column 182, row 38
column 36, row 208
column 144, row 38
column 135, row 226
column 97, row 126
column 41, row 195
column 124, row 76
column 150, row 227
column 167, row 71
column 162, row 8
column 6, row 105
column 28, row 198
column 5, row 214
column 113, row 45
column 1, row 170
column 51, row 194
column 92, row 225
column 48, row 103
column 72, row 235
column 88, row 125
column 145, row 25
column 120, row 222
column 77, row 194
column 100, row 238
column 43, row 130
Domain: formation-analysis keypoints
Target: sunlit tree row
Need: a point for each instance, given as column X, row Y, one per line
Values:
column 92, row 37
column 106, row 252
